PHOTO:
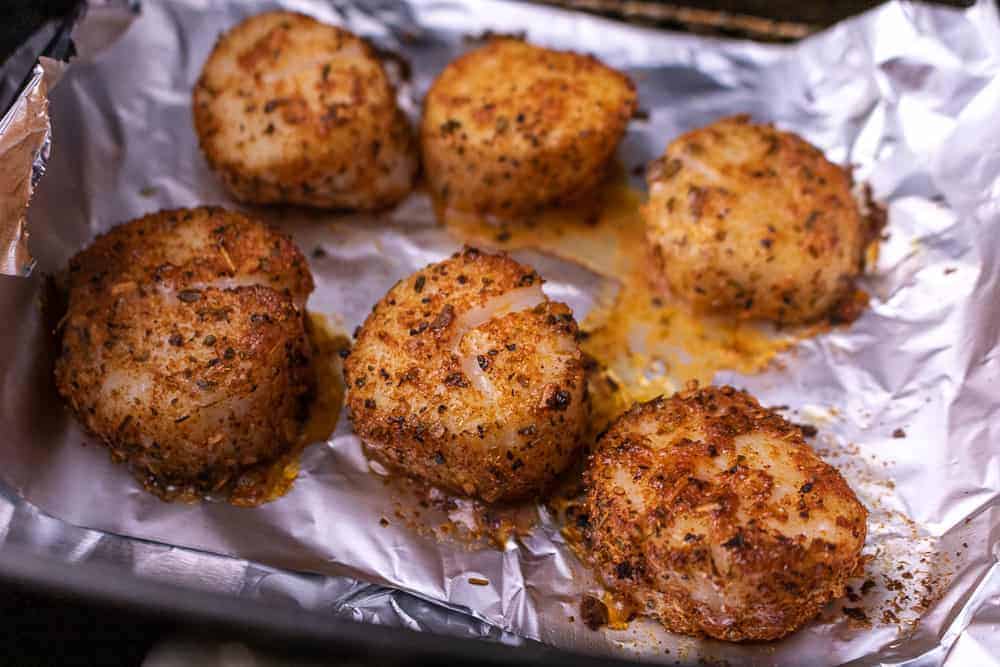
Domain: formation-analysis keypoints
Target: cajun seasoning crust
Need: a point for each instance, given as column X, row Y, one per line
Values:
column 190, row 247
column 511, row 127
column 180, row 365
column 290, row 110
column 745, row 218
column 712, row 514
column 493, row 411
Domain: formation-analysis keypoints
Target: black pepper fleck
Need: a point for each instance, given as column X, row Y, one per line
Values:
column 444, row 318
column 623, row 570
column 735, row 542
column 559, row 400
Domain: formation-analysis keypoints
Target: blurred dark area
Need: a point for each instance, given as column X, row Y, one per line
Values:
column 762, row 20
column 62, row 630
column 21, row 18
column 819, row 13
column 93, row 613
column 779, row 20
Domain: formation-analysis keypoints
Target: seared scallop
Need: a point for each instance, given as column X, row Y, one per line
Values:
column 711, row 514
column 291, row 110
column 184, row 348
column 749, row 220
column 465, row 375
column 511, row 127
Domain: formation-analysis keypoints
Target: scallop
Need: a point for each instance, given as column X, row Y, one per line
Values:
column 510, row 127
column 291, row 110
column 184, row 348
column 748, row 220
column 711, row 514
column 467, row 376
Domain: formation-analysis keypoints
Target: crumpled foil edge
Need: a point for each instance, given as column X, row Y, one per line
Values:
column 26, row 129
column 25, row 142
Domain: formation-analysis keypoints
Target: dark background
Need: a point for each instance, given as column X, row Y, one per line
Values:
column 21, row 17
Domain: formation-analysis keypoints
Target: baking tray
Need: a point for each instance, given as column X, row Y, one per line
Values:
column 110, row 586
column 292, row 633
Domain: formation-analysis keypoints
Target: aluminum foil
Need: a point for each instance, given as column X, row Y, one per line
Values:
column 904, row 400
column 24, row 151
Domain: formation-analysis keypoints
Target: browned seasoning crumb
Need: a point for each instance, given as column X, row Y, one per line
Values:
column 899, row 433
column 893, row 584
column 593, row 612
column 479, row 581
column 808, row 430
column 383, row 522
column 850, row 308
column 867, row 586
column 950, row 270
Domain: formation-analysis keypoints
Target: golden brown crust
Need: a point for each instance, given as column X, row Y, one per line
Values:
column 747, row 219
column 291, row 110
column 710, row 513
column 511, row 127
column 191, row 246
column 184, row 349
column 491, row 406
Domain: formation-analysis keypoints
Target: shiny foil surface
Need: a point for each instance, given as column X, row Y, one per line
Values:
column 905, row 401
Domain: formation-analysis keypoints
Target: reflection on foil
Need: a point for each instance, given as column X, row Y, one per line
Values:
column 24, row 151
column 903, row 402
